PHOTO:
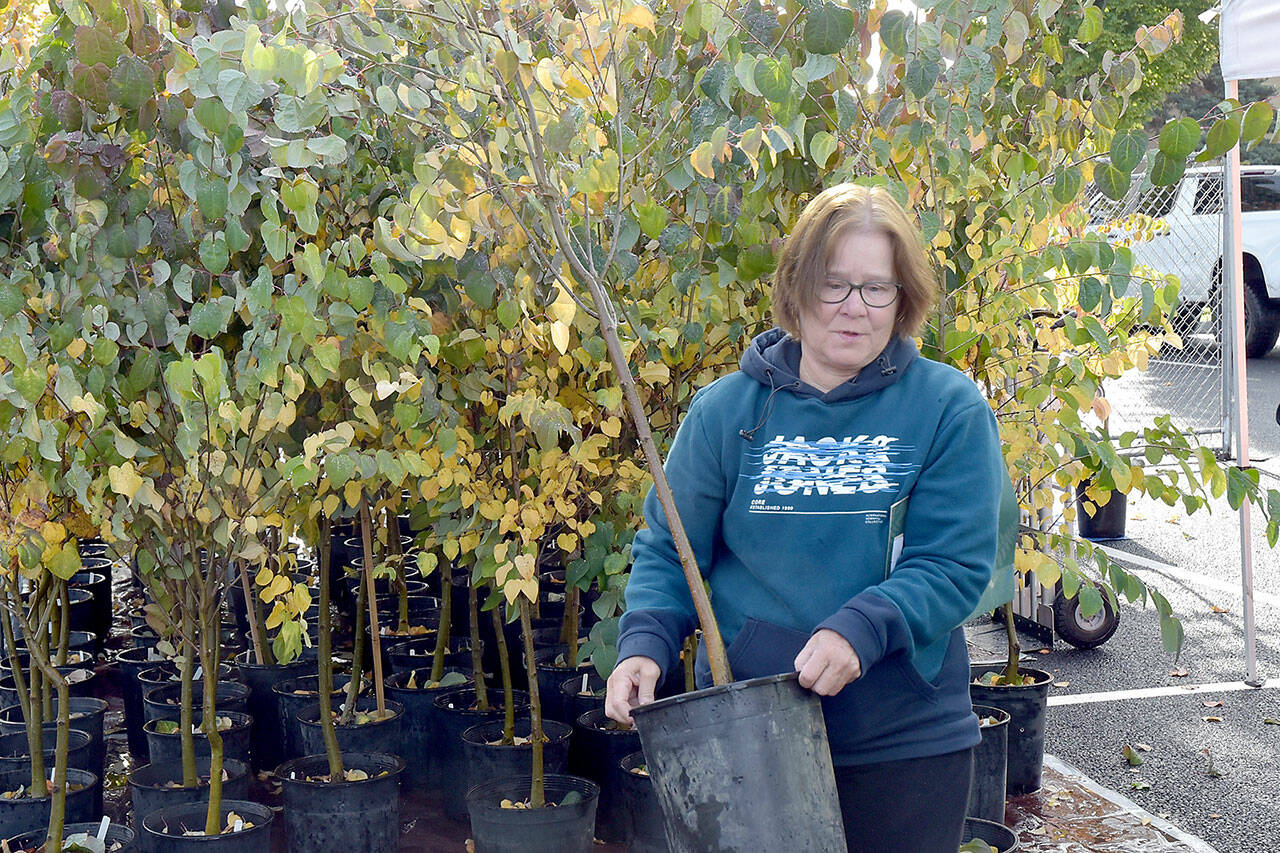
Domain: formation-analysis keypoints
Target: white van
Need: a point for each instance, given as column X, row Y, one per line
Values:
column 1187, row 242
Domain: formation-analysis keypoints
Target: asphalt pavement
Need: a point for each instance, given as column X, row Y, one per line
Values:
column 1208, row 743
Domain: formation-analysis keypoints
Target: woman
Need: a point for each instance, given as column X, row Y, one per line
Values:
column 840, row 493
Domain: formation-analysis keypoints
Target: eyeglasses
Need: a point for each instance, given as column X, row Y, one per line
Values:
column 875, row 294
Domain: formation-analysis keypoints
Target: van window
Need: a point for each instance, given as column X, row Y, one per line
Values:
column 1259, row 192
column 1208, row 196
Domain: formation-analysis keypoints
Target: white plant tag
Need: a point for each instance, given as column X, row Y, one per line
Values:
column 239, row 825
column 102, row 828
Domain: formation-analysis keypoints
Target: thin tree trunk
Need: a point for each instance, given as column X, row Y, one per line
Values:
column 185, row 714
column 508, row 694
column 209, row 660
column 357, row 659
column 569, row 629
column 402, row 587
column 1011, row 632
column 477, row 649
column 326, row 661
column 375, row 628
column 446, row 618
column 537, row 790
column 251, row 612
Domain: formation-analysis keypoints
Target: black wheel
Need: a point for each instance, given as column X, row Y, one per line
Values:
column 1261, row 322
column 1186, row 319
column 1083, row 633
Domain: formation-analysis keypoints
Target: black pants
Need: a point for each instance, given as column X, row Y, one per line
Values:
column 911, row 806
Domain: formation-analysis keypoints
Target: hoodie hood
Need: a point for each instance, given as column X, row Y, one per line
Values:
column 773, row 359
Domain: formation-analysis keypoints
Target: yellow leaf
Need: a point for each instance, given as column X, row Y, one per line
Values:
column 526, row 565
column 564, row 308
column 264, row 577
column 279, row 586
column 52, row 532
column 76, row 348
column 567, row 542
column 701, row 160
column 575, row 88
column 124, row 479
column 654, row 373
column 611, row 427
column 277, row 616
column 639, row 17
column 546, row 74
column 560, row 336
column 450, row 549
column 351, row 492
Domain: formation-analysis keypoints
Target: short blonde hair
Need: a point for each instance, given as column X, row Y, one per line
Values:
column 832, row 214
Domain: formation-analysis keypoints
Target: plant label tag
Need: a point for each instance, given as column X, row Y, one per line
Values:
column 239, row 825
column 102, row 828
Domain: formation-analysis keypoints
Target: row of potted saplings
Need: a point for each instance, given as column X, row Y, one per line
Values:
column 423, row 724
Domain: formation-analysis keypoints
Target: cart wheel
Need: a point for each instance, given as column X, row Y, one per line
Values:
column 1080, row 632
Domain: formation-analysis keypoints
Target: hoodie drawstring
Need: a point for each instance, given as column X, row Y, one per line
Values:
column 750, row 434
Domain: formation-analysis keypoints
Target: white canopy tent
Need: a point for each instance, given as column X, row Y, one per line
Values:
column 1248, row 32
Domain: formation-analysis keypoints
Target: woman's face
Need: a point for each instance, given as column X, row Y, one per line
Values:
column 837, row 340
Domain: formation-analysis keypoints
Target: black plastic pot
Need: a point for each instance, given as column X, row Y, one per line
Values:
column 1107, row 519
column 142, row 637
column 117, row 834
column 595, row 753
column 1027, row 705
column 419, row 735
column 88, row 715
column 27, row 813
column 416, row 653
column 163, row 830
column 15, row 752
column 990, row 763
column 716, row 755
column 551, row 675
column 572, row 699
column 639, row 802
column 484, row 760
column 455, row 713
column 80, row 681
column 999, row 836
column 268, row 747
column 132, row 663
column 164, row 702
column 377, row 736
column 346, row 816
column 98, row 583
column 149, row 785
column 296, row 694
column 562, row 829
column 235, row 740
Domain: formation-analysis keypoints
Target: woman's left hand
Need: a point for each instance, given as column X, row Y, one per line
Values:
column 827, row 663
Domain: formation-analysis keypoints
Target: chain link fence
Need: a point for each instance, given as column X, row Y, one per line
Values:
column 1173, row 231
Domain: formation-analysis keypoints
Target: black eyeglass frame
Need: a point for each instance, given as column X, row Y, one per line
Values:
column 862, row 294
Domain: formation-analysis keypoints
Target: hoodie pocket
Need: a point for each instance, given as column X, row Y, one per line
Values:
column 761, row 648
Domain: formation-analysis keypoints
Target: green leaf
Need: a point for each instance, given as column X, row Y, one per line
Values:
column 673, row 237
column 1090, row 600
column 65, row 561
column 1179, row 138
column 1127, row 148
column 209, row 319
column 211, row 197
column 508, row 313
column 1091, row 26
column 1106, row 111
column 1257, row 121
column 893, row 32
column 132, row 83
column 773, row 78
column 93, row 46
column 386, row 100
column 213, row 252
column 360, row 292
column 1113, row 182
column 922, row 73
column 11, row 300
column 1066, row 184
column 211, row 115
column 1167, row 170
column 827, row 28
column 1222, row 137
column 652, row 218
column 30, row 383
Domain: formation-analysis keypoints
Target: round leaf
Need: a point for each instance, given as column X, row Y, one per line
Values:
column 1257, row 121
column 1165, row 170
column 1222, row 137
column 773, row 78
column 1113, row 182
column 1180, row 137
column 211, row 198
column 213, row 253
column 893, row 32
column 1127, row 148
column 827, row 28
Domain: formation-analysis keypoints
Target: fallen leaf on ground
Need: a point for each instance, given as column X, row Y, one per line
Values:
column 1212, row 719
column 1131, row 755
column 1044, row 651
column 1139, row 785
column 1146, row 821
column 1214, row 816
column 1062, row 684
column 1179, row 673
column 1217, row 609
column 1142, row 746
column 1271, row 721
column 1212, row 703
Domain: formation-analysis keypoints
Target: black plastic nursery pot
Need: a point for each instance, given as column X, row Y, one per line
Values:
column 598, row 745
column 268, row 746
column 297, row 694
column 999, row 836
column 551, row 829
column 551, row 675
column 575, row 702
column 79, row 679
column 164, row 702
column 639, row 802
column 132, row 663
column 98, row 583
column 1107, row 519
column 150, row 786
column 163, row 830
column 373, row 736
column 15, row 751
column 990, row 765
column 1027, row 705
column 236, row 742
column 416, row 653
column 455, row 713
column 715, row 755
column 118, row 838
column 88, row 714
column 485, row 757
column 419, row 730
column 23, row 814
column 349, row 816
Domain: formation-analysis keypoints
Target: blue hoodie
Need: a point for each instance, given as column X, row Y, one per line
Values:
column 790, row 495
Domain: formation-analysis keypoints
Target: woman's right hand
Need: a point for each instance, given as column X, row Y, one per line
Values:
column 631, row 684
